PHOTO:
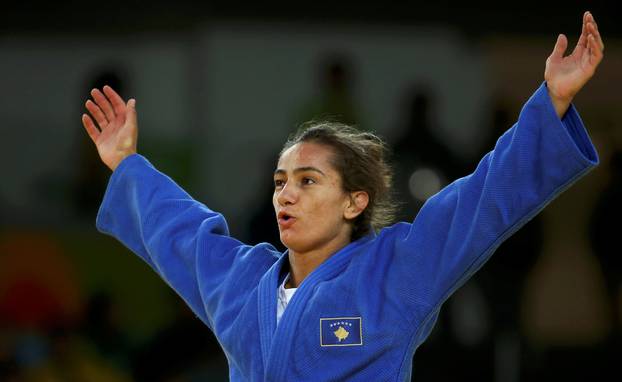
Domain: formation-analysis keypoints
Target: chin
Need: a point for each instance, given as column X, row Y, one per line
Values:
column 287, row 241
column 291, row 243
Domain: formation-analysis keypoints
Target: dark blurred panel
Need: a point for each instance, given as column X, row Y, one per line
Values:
column 475, row 18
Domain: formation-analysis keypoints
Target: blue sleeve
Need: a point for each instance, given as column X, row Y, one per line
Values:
column 185, row 242
column 459, row 228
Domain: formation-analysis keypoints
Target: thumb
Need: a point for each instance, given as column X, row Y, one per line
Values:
column 131, row 111
column 560, row 46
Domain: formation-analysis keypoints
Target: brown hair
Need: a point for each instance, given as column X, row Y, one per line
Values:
column 360, row 158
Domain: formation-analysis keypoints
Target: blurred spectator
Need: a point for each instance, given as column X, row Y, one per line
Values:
column 503, row 277
column 9, row 369
column 423, row 163
column 607, row 246
column 101, row 327
column 605, row 230
column 69, row 358
column 565, row 312
column 335, row 102
column 38, row 283
column 180, row 352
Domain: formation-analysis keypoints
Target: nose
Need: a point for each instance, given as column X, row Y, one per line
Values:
column 287, row 195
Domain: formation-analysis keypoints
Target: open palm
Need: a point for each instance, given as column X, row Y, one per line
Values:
column 117, row 134
column 565, row 76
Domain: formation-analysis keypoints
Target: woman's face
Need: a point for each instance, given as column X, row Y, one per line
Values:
column 311, row 206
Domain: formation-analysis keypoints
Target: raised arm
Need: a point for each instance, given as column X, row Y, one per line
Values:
column 185, row 242
column 544, row 153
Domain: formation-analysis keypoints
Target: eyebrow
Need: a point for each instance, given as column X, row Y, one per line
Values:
column 280, row 171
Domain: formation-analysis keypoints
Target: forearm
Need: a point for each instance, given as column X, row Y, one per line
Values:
column 141, row 204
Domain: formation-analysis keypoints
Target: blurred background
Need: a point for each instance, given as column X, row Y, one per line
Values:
column 219, row 87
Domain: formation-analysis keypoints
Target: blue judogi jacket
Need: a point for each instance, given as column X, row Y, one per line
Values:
column 362, row 313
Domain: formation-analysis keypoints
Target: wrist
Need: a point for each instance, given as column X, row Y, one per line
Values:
column 561, row 103
column 114, row 164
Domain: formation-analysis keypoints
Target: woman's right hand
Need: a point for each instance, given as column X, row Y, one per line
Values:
column 117, row 135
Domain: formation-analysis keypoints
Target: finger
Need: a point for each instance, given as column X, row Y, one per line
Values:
column 117, row 102
column 560, row 47
column 583, row 38
column 90, row 128
column 582, row 43
column 97, row 114
column 132, row 118
column 596, row 54
column 103, row 104
column 593, row 29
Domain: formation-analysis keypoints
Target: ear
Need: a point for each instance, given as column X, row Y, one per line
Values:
column 356, row 205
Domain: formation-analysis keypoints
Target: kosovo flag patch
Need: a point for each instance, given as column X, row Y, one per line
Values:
column 341, row 331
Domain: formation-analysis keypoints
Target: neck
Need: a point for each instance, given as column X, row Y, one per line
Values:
column 301, row 264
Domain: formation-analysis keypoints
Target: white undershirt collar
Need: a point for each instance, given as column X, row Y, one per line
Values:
column 284, row 295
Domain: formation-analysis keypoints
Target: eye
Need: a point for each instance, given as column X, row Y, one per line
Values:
column 307, row 181
column 279, row 183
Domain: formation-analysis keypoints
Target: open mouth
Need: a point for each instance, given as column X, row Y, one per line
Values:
column 285, row 219
column 284, row 216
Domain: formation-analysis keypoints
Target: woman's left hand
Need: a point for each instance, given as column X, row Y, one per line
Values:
column 565, row 76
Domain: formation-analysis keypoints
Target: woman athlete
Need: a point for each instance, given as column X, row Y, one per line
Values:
column 352, row 297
